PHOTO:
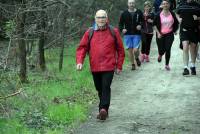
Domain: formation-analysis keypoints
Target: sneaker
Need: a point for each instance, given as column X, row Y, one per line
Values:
column 138, row 62
column 186, row 71
column 159, row 58
column 133, row 67
column 147, row 58
column 102, row 114
column 167, row 67
column 142, row 57
column 193, row 70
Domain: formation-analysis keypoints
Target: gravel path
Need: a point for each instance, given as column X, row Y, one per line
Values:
column 151, row 100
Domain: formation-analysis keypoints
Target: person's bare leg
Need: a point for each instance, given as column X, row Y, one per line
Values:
column 193, row 53
column 137, row 53
column 131, row 55
column 131, row 58
column 185, row 53
column 186, row 57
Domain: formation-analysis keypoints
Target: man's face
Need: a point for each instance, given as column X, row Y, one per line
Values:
column 101, row 18
column 131, row 4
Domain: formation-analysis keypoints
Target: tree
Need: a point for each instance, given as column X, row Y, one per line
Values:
column 20, row 21
column 42, row 25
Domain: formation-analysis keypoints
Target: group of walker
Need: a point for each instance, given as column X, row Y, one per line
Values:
column 137, row 26
column 105, row 48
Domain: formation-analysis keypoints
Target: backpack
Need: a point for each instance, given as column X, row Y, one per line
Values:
column 111, row 28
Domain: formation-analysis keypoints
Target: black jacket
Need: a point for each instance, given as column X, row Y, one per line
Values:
column 130, row 22
column 146, row 26
column 157, row 22
column 186, row 12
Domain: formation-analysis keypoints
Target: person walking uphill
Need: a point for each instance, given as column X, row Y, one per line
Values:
column 166, row 24
column 130, row 26
column 106, row 55
column 147, row 31
column 188, row 14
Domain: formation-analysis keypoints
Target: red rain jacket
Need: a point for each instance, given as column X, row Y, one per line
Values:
column 103, row 54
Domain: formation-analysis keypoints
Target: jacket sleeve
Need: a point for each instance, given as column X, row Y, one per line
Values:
column 82, row 49
column 121, row 23
column 140, row 17
column 120, row 50
column 176, row 23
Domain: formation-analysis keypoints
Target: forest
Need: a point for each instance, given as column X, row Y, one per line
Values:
column 40, row 89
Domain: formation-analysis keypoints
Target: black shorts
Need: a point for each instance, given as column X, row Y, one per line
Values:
column 190, row 35
column 199, row 36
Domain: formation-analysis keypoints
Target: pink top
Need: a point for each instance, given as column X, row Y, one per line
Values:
column 166, row 23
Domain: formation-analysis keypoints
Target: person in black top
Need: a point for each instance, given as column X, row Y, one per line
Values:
column 166, row 25
column 130, row 26
column 188, row 15
column 147, row 31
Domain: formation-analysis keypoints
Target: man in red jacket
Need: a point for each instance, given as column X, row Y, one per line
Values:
column 106, row 55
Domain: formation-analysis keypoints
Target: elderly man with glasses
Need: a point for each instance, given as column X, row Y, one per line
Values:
column 106, row 55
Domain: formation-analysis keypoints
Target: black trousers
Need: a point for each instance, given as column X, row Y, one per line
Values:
column 164, row 46
column 146, row 43
column 102, row 82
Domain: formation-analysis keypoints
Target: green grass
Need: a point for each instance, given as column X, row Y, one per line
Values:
column 52, row 101
column 12, row 126
column 66, row 114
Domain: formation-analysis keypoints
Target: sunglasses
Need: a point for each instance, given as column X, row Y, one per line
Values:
column 101, row 17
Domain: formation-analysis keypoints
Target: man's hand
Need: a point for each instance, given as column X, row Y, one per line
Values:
column 138, row 27
column 124, row 31
column 118, row 71
column 79, row 66
column 195, row 17
column 150, row 20
column 159, row 35
column 179, row 20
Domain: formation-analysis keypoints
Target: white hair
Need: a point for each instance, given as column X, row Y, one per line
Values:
column 102, row 12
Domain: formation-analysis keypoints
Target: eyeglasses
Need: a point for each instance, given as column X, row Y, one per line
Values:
column 101, row 17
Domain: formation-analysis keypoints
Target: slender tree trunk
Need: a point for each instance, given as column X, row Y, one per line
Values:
column 41, row 52
column 21, row 44
column 42, row 24
column 61, row 55
column 62, row 31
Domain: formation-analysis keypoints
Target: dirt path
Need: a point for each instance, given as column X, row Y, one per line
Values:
column 152, row 100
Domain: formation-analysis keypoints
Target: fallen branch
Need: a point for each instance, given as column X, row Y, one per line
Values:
column 11, row 95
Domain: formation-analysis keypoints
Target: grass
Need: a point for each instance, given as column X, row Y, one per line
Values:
column 12, row 126
column 66, row 114
column 52, row 101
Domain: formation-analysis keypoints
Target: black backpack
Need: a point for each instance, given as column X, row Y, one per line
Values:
column 111, row 28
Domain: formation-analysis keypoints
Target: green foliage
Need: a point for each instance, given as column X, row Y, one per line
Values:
column 12, row 126
column 52, row 101
column 55, row 132
column 66, row 114
column 9, row 28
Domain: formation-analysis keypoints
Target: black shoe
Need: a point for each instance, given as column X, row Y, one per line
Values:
column 186, row 71
column 138, row 62
column 193, row 70
column 133, row 67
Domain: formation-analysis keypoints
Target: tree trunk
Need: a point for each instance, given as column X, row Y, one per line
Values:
column 41, row 52
column 61, row 55
column 42, row 25
column 20, row 21
column 62, row 31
